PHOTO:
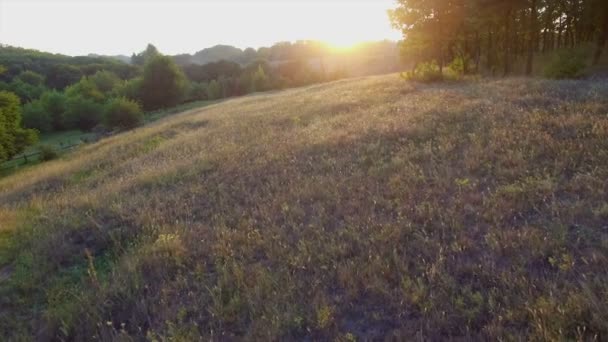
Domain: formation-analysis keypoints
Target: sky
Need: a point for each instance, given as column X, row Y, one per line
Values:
column 112, row 27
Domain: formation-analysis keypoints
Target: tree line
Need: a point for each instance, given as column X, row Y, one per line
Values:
column 94, row 93
column 498, row 36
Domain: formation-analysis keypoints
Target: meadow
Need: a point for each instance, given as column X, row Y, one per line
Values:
column 365, row 208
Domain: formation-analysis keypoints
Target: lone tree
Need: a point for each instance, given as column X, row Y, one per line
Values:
column 163, row 84
column 13, row 138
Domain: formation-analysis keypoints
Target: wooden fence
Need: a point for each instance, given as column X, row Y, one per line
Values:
column 24, row 159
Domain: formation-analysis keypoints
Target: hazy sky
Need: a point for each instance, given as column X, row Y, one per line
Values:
column 78, row 27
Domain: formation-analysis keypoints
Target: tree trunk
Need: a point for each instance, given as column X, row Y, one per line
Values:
column 477, row 51
column 531, row 38
column 490, row 51
column 507, row 51
column 601, row 40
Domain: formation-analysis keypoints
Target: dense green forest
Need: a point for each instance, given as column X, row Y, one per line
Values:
column 59, row 93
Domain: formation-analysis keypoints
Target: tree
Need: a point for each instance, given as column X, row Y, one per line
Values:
column 62, row 75
column 13, row 138
column 31, row 78
column 123, row 113
column 35, row 116
column 104, row 81
column 163, row 83
column 506, row 34
column 143, row 57
column 130, row 89
column 85, row 88
column 54, row 104
column 259, row 80
column 214, row 90
column 82, row 113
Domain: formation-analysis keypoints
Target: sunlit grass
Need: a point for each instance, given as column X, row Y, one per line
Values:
column 365, row 208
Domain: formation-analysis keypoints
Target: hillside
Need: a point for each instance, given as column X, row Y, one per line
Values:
column 361, row 209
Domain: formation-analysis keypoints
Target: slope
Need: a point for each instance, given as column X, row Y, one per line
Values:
column 360, row 209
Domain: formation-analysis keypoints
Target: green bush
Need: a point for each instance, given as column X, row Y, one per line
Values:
column 82, row 113
column 48, row 152
column 566, row 64
column 54, row 103
column 130, row 89
column 35, row 116
column 123, row 113
column 424, row 72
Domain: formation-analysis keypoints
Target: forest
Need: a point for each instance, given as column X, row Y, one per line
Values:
column 504, row 37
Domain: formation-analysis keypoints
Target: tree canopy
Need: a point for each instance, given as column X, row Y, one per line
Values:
column 492, row 34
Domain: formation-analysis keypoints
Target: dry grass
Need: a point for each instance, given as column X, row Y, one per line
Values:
column 361, row 209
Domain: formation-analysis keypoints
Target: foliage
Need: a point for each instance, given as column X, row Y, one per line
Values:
column 31, row 78
column 123, row 113
column 566, row 64
column 214, row 90
column 105, row 81
column 163, row 84
column 62, row 75
column 498, row 34
column 82, row 113
column 85, row 88
column 13, row 138
column 424, row 72
column 131, row 89
column 48, row 152
column 143, row 57
column 36, row 116
column 54, row 103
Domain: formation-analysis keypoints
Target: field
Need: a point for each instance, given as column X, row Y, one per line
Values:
column 361, row 209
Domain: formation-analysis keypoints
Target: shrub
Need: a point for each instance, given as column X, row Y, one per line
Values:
column 13, row 138
column 214, row 90
column 35, row 116
column 424, row 72
column 82, row 113
column 105, row 81
column 48, row 152
column 123, row 113
column 54, row 103
column 130, row 89
column 566, row 64
column 197, row 91
column 85, row 88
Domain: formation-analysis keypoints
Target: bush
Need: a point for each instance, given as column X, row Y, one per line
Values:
column 54, row 103
column 123, row 113
column 104, row 81
column 424, row 72
column 130, row 89
column 566, row 64
column 197, row 91
column 48, row 152
column 13, row 138
column 82, row 113
column 35, row 116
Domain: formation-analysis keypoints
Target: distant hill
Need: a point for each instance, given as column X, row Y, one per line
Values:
column 216, row 53
column 17, row 60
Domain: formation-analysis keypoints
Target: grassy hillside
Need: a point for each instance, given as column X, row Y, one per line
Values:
column 360, row 209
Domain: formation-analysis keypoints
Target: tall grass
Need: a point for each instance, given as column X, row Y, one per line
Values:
column 361, row 209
